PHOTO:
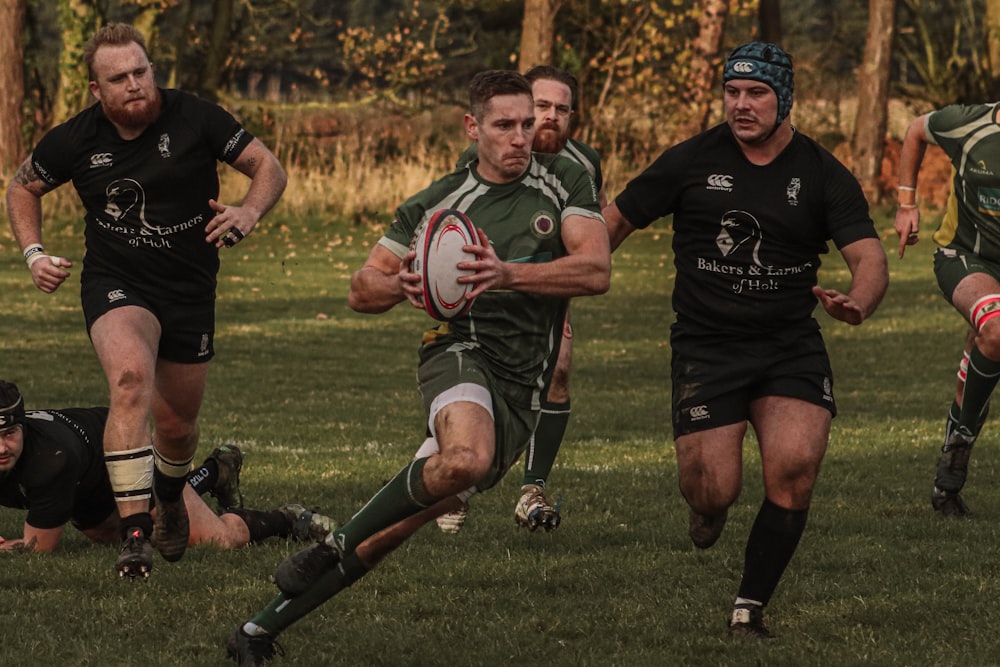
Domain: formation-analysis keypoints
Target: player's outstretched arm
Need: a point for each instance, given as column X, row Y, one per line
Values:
column 383, row 281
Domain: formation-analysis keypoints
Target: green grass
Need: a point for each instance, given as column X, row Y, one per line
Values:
column 323, row 401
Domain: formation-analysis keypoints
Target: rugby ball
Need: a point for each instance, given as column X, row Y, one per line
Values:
column 438, row 243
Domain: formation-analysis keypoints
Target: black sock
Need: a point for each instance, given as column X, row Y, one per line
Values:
column 168, row 489
column 141, row 520
column 772, row 542
column 263, row 525
column 204, row 478
column 980, row 381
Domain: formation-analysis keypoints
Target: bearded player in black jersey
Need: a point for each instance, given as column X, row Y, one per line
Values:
column 52, row 465
column 144, row 163
column 754, row 205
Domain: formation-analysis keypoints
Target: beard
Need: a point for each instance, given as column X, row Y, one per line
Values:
column 135, row 116
column 550, row 139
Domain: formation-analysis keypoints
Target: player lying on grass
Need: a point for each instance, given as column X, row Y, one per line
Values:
column 52, row 464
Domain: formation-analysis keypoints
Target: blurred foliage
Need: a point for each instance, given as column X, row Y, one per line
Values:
column 943, row 51
column 274, row 58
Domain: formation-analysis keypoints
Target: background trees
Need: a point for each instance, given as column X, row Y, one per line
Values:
column 11, row 82
column 648, row 70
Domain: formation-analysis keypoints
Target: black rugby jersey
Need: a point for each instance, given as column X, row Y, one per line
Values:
column 146, row 199
column 62, row 460
column 747, row 239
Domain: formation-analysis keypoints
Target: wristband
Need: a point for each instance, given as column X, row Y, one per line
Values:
column 906, row 188
column 907, row 206
column 35, row 257
column 33, row 250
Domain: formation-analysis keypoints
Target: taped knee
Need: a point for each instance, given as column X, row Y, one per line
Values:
column 130, row 472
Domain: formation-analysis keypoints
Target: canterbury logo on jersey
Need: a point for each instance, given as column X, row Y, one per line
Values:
column 720, row 182
column 100, row 160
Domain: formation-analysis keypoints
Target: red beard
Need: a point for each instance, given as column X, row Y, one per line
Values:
column 549, row 139
column 135, row 116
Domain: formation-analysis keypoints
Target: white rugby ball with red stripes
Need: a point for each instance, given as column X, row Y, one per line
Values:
column 438, row 243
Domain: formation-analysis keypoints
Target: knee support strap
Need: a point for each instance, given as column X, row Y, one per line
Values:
column 984, row 310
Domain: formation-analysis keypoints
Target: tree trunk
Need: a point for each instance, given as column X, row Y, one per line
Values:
column 868, row 143
column 537, row 33
column 769, row 20
column 78, row 22
column 218, row 47
column 12, row 85
column 993, row 45
column 706, row 63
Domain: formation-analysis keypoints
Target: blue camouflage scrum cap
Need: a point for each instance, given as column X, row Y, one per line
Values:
column 767, row 63
column 11, row 405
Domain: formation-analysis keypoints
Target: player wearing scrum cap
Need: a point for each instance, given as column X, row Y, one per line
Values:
column 52, row 465
column 754, row 204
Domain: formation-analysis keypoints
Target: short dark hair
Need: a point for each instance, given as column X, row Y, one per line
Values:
column 113, row 34
column 488, row 84
column 552, row 73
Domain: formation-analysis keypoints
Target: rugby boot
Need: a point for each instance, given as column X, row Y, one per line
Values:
column 308, row 525
column 533, row 509
column 228, row 460
column 705, row 529
column 747, row 622
column 171, row 529
column 452, row 522
column 297, row 573
column 136, row 557
column 252, row 651
column 952, row 470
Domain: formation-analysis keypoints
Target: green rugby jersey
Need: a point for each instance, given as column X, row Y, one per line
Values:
column 970, row 136
column 515, row 331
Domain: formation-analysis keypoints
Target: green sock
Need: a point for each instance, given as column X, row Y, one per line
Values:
column 980, row 381
column 283, row 611
column 403, row 496
column 545, row 443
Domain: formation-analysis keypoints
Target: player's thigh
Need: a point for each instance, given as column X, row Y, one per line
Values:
column 964, row 277
column 710, row 465
column 125, row 340
column 793, row 435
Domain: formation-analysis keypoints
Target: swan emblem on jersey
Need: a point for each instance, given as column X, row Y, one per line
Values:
column 740, row 233
column 124, row 195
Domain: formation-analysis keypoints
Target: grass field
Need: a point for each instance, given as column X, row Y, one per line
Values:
column 322, row 400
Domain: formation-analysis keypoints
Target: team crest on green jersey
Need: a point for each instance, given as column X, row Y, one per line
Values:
column 542, row 225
